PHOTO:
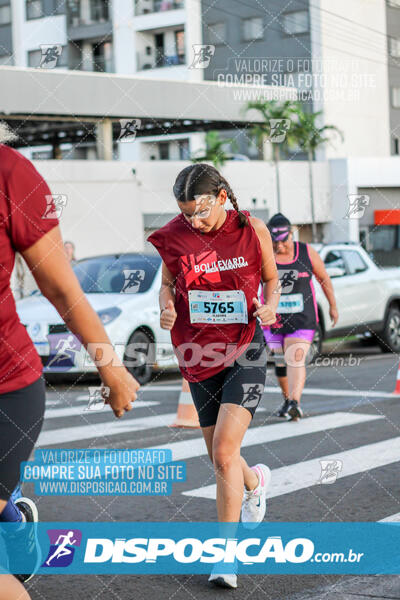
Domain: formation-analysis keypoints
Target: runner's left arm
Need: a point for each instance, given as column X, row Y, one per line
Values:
column 318, row 268
column 269, row 275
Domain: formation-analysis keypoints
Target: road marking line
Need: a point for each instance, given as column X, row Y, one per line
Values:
column 306, row 391
column 393, row 518
column 330, row 392
column 74, row 433
column 98, row 430
column 272, row 433
column 300, row 476
column 71, row 411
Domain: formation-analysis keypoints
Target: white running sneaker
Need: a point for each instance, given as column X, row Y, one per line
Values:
column 226, row 580
column 254, row 501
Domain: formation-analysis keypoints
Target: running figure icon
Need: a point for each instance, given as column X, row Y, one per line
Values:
column 288, row 279
column 62, row 549
column 63, row 346
column 133, row 279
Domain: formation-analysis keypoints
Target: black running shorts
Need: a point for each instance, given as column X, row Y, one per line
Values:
column 241, row 383
column 21, row 418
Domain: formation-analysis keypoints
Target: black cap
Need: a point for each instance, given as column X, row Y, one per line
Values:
column 279, row 227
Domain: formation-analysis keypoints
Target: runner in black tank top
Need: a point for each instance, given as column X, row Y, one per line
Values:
column 291, row 335
column 297, row 308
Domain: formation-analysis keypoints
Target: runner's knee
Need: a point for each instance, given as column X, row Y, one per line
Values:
column 224, row 453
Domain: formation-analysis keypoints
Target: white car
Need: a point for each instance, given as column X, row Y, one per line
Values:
column 368, row 297
column 123, row 289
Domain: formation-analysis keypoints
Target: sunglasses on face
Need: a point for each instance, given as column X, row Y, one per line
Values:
column 204, row 205
column 280, row 234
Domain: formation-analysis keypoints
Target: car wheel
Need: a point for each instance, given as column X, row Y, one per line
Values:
column 316, row 345
column 139, row 358
column 389, row 338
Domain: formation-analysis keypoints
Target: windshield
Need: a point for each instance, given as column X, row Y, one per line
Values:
column 114, row 274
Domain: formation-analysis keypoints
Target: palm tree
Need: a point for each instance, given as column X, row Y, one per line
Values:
column 272, row 111
column 306, row 133
column 215, row 150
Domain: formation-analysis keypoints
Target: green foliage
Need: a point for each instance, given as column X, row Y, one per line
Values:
column 215, row 151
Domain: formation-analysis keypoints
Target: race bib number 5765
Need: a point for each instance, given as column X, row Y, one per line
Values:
column 218, row 307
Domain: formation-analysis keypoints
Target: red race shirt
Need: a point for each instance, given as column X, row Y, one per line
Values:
column 22, row 206
column 227, row 259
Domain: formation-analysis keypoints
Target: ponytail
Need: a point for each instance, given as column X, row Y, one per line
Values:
column 224, row 185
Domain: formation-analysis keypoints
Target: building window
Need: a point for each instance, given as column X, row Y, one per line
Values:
column 34, row 9
column 102, row 57
column 396, row 97
column 144, row 7
column 6, row 59
column 5, row 14
column 253, row 29
column 34, row 57
column 184, row 150
column 295, row 22
column 180, row 46
column 394, row 47
column 99, row 10
column 216, row 34
column 42, row 155
column 163, row 148
column 383, row 237
column 396, row 145
column 59, row 7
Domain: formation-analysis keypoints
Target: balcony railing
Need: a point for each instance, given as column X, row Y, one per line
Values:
column 144, row 7
column 159, row 59
column 98, row 65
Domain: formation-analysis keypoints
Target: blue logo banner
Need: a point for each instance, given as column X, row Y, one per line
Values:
column 162, row 548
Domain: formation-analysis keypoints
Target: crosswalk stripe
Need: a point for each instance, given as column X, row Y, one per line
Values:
column 275, row 389
column 344, row 393
column 72, row 411
column 74, row 433
column 98, row 430
column 272, row 433
column 305, row 474
column 392, row 518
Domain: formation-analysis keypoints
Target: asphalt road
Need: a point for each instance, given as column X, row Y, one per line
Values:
column 348, row 406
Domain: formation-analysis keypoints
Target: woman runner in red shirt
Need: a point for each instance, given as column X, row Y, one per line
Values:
column 213, row 261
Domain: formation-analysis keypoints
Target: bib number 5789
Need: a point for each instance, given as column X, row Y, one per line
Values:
column 223, row 307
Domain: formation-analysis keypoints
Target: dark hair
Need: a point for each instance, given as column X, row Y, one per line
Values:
column 204, row 179
column 278, row 220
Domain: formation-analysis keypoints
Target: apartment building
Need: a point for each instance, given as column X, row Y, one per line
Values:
column 148, row 38
column 342, row 56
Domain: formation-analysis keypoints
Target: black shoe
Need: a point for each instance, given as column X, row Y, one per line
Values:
column 295, row 411
column 283, row 411
column 24, row 541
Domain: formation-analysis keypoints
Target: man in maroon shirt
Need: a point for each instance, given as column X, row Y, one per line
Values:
column 24, row 200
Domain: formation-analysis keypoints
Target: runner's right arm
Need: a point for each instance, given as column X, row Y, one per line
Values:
column 167, row 299
column 58, row 283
